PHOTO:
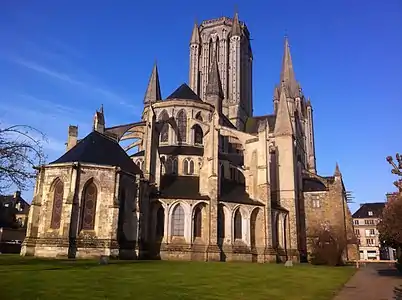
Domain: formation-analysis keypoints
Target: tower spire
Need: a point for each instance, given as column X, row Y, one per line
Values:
column 236, row 29
column 214, row 86
column 195, row 36
column 153, row 92
column 287, row 72
column 337, row 171
column 283, row 123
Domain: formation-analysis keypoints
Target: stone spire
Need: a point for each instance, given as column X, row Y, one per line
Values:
column 214, row 86
column 214, row 93
column 283, row 123
column 287, row 72
column 153, row 92
column 195, row 36
column 236, row 28
column 337, row 172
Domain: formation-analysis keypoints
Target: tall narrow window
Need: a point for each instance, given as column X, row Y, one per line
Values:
column 221, row 222
column 188, row 166
column 198, row 135
column 238, row 225
column 58, row 191
column 160, row 222
column 197, row 222
column 89, row 207
column 175, row 166
column 178, row 221
column 164, row 134
column 182, row 126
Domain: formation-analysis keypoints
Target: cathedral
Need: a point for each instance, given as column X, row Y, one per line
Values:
column 208, row 180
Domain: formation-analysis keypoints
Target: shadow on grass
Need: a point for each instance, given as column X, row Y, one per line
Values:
column 56, row 264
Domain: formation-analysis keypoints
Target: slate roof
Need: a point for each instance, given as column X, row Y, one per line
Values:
column 252, row 123
column 99, row 149
column 184, row 92
column 180, row 187
column 375, row 207
column 313, row 185
column 235, row 192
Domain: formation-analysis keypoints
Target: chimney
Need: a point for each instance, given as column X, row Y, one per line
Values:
column 72, row 136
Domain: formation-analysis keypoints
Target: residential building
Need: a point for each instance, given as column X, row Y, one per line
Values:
column 365, row 221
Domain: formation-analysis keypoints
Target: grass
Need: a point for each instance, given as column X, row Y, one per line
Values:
column 30, row 278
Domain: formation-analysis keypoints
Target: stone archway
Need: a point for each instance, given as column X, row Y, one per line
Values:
column 257, row 234
column 158, row 216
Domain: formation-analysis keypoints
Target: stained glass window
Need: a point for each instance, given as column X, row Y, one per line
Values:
column 58, row 191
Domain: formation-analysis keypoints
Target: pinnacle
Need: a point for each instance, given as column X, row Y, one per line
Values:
column 195, row 36
column 214, row 86
column 283, row 123
column 153, row 92
column 236, row 29
column 337, row 171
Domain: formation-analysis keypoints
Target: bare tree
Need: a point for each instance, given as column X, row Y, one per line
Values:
column 20, row 151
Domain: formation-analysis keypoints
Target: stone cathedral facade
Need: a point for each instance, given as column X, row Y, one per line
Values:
column 209, row 180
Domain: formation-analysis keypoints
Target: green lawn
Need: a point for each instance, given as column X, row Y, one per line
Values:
column 31, row 279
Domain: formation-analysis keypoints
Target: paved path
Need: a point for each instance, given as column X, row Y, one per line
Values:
column 375, row 281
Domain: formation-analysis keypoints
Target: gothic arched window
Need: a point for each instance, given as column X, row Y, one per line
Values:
column 160, row 222
column 182, row 126
column 197, row 226
column 175, row 166
column 238, row 225
column 188, row 166
column 89, row 206
column 178, row 221
column 221, row 222
column 164, row 134
column 58, row 191
column 198, row 135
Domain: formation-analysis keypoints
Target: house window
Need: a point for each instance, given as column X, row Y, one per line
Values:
column 369, row 222
column 164, row 134
column 188, row 166
column 356, row 222
column 372, row 231
column 182, row 126
column 238, row 225
column 89, row 207
column 57, row 204
column 198, row 135
column 316, row 203
column 178, row 221
column 370, row 241
column 370, row 213
column 357, row 232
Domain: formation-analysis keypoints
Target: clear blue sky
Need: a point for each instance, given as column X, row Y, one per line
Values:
column 59, row 60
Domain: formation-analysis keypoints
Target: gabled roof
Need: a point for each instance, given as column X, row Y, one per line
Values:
column 184, row 92
column 376, row 208
column 99, row 149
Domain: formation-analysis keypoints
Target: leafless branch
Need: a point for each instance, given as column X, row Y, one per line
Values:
column 20, row 151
